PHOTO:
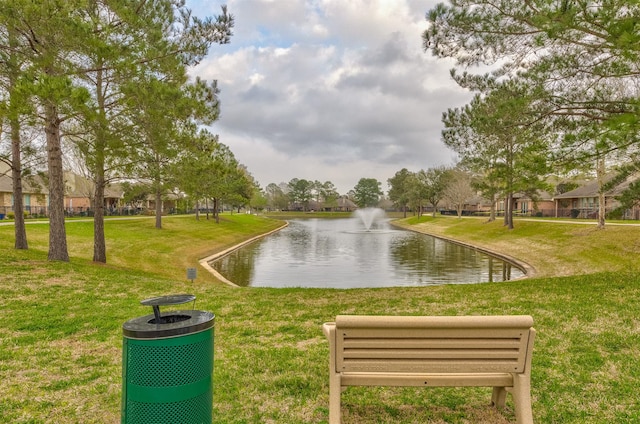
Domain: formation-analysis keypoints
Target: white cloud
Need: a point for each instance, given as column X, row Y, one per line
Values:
column 330, row 89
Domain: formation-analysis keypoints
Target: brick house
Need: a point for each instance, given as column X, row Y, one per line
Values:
column 35, row 195
column 583, row 201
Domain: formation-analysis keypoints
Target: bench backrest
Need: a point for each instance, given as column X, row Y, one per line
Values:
column 412, row 344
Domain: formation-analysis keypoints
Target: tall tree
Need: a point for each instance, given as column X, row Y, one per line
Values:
column 459, row 190
column 400, row 188
column 433, row 183
column 241, row 187
column 487, row 182
column 300, row 192
column 159, row 107
column 195, row 170
column 585, row 55
column 496, row 133
column 591, row 147
column 233, row 185
column 367, row 192
column 329, row 194
column 97, row 135
column 13, row 108
column 276, row 197
column 258, row 200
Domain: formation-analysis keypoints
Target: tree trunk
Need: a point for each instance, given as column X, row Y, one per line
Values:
column 57, row 232
column 510, row 211
column 16, row 154
column 215, row 210
column 506, row 210
column 492, row 210
column 602, row 208
column 16, row 176
column 197, row 210
column 158, row 208
column 99, row 244
column 600, row 171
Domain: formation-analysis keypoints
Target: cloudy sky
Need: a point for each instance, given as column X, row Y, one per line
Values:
column 330, row 90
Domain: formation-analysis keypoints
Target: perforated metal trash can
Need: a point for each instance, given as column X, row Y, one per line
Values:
column 167, row 365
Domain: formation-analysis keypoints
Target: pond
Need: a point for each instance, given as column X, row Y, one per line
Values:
column 342, row 253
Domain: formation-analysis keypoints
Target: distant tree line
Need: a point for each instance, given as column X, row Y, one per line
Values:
column 302, row 193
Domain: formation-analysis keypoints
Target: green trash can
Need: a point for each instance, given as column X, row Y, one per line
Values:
column 167, row 365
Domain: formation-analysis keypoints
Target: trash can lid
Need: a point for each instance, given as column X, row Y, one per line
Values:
column 173, row 299
column 168, row 324
column 171, row 324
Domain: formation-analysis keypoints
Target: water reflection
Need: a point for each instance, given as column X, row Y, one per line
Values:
column 334, row 253
column 434, row 260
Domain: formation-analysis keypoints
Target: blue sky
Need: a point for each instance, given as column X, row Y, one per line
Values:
column 329, row 90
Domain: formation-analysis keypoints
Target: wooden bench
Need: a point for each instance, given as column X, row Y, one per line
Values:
column 432, row 351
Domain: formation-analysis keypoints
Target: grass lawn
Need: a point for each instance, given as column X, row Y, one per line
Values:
column 61, row 335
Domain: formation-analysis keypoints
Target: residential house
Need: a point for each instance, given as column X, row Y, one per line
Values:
column 542, row 204
column 78, row 194
column 583, row 201
column 345, row 204
column 341, row 204
column 167, row 206
column 478, row 205
column 80, row 191
column 35, row 196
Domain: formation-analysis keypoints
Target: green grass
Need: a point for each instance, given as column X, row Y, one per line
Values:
column 551, row 248
column 61, row 335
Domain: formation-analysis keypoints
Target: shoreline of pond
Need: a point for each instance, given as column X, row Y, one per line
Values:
column 528, row 270
column 204, row 262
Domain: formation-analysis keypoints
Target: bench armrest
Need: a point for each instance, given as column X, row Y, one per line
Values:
column 329, row 329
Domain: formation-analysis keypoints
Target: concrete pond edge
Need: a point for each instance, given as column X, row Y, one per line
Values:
column 204, row 262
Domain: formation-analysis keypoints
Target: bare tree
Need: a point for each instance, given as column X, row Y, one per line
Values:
column 458, row 191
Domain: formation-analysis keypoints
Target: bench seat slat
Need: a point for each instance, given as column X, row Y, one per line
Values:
column 432, row 353
column 432, row 333
column 449, row 322
column 429, row 366
column 428, row 380
column 432, row 343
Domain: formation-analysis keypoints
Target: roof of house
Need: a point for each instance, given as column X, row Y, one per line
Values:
column 6, row 185
column 592, row 188
column 345, row 202
column 541, row 195
column 79, row 186
column 168, row 195
column 30, row 185
column 76, row 186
